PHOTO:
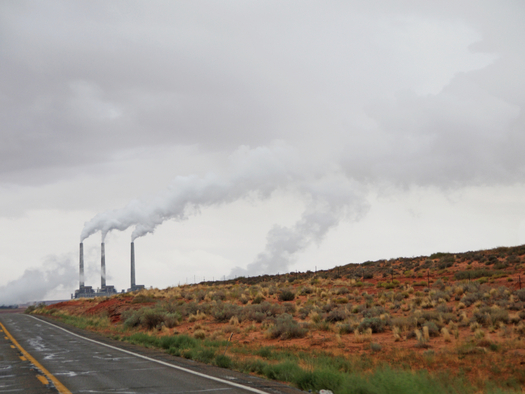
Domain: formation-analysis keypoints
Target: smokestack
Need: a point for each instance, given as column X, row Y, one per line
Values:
column 81, row 266
column 132, row 265
column 102, row 266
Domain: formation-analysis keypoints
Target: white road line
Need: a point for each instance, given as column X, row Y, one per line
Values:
column 253, row 390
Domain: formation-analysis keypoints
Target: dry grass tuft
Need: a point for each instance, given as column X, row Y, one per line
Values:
column 199, row 334
column 446, row 335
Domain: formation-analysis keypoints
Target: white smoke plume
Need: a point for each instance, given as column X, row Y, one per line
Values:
column 253, row 173
column 331, row 202
column 36, row 284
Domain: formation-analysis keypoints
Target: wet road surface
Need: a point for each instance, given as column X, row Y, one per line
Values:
column 83, row 366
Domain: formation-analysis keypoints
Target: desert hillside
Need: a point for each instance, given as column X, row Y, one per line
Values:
column 459, row 316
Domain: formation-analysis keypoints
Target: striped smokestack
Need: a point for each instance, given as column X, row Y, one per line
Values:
column 132, row 265
column 102, row 266
column 81, row 266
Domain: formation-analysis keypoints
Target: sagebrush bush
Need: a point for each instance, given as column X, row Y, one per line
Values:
column 373, row 312
column 171, row 319
column 223, row 312
column 286, row 327
column 342, row 291
column 471, row 297
column 131, row 319
column 289, row 308
column 305, row 311
column 336, row 315
column 403, row 322
column 521, row 294
column 261, row 312
column 151, row 319
column 219, row 296
column 374, row 323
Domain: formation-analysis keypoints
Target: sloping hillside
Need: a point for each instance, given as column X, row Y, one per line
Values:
column 436, row 313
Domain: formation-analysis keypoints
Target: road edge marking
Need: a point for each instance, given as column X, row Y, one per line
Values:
column 253, row 390
column 58, row 385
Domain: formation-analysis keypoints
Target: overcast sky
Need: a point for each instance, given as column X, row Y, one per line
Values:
column 249, row 137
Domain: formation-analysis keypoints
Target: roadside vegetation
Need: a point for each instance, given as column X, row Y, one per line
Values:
column 445, row 323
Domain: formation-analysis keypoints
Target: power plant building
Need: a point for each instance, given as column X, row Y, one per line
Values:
column 105, row 290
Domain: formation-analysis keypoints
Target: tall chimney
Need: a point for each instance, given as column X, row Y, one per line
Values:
column 102, row 266
column 132, row 265
column 81, row 266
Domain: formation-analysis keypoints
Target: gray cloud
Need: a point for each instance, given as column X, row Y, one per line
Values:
column 380, row 93
column 461, row 136
column 82, row 81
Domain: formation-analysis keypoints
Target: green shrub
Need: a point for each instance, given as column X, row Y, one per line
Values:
column 373, row 312
column 131, row 319
column 178, row 342
column 264, row 352
column 144, row 339
column 169, row 306
column 223, row 361
column 252, row 366
column 284, row 372
column 30, row 308
column 470, row 298
column 261, row 311
column 286, row 295
column 204, row 356
column 318, row 379
column 142, row 299
column 289, row 308
column 219, row 296
column 346, row 329
column 172, row 319
column 391, row 381
column 306, row 290
column 224, row 312
column 474, row 274
column 286, row 328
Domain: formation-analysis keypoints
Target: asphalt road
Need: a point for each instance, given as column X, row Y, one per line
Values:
column 17, row 374
column 32, row 347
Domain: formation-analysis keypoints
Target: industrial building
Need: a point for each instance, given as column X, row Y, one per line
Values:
column 105, row 290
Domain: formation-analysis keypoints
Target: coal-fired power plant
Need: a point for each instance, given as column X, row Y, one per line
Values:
column 105, row 289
